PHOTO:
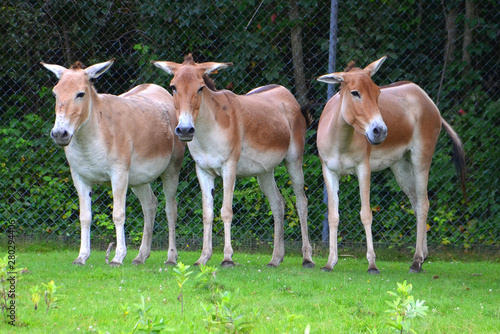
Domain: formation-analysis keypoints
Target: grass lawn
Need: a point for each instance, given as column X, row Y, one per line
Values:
column 463, row 297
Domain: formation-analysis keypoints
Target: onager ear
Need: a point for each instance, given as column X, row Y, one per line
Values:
column 332, row 78
column 58, row 70
column 373, row 67
column 211, row 67
column 96, row 70
column 167, row 66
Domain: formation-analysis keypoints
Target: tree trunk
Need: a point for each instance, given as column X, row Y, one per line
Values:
column 451, row 29
column 470, row 15
column 298, row 59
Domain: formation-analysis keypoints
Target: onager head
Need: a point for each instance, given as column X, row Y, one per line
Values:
column 187, row 87
column 73, row 95
column 359, row 96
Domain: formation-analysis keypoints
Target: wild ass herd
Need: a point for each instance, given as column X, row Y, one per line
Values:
column 132, row 139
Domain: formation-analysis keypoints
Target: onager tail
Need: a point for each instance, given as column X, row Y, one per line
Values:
column 108, row 251
column 458, row 155
column 307, row 115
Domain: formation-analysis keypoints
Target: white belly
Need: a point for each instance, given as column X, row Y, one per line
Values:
column 385, row 158
column 213, row 158
column 97, row 168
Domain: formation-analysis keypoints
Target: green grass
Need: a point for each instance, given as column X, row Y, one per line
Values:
column 462, row 296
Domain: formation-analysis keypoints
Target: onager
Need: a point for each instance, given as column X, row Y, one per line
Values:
column 233, row 136
column 366, row 128
column 126, row 140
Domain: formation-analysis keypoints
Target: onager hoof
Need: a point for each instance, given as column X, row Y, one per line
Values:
column 306, row 264
column 227, row 264
column 373, row 271
column 173, row 263
column 79, row 262
column 326, row 269
column 115, row 263
column 138, row 261
column 416, row 268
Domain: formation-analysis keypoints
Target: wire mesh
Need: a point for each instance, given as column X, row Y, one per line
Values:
column 450, row 50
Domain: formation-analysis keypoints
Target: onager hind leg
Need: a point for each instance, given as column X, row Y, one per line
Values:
column 277, row 204
column 170, row 183
column 421, row 211
column 414, row 185
column 149, row 204
column 296, row 173
column 332, row 181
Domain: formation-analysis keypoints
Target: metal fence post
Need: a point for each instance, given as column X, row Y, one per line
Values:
column 332, row 58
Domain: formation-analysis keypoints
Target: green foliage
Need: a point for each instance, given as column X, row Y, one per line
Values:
column 290, row 323
column 206, row 279
column 52, row 296
column 144, row 324
column 181, row 275
column 35, row 295
column 463, row 287
column 404, row 308
column 224, row 317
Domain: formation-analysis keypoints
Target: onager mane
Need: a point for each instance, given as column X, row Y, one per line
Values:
column 77, row 64
column 209, row 82
column 188, row 59
column 351, row 65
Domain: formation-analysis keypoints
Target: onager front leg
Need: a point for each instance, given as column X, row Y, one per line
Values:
column 206, row 181
column 228, row 181
column 119, row 183
column 364, row 173
column 84, row 191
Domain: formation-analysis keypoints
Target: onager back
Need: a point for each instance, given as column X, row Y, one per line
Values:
column 126, row 140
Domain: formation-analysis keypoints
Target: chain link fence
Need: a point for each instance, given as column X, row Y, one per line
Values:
column 450, row 48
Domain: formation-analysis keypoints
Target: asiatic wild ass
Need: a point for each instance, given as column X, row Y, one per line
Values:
column 366, row 128
column 233, row 136
column 127, row 140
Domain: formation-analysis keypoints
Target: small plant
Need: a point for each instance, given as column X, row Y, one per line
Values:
column 223, row 316
column 403, row 309
column 35, row 296
column 289, row 324
column 144, row 324
column 206, row 279
column 52, row 296
column 181, row 274
column 125, row 309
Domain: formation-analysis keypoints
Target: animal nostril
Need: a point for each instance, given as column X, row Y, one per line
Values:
column 376, row 131
column 184, row 131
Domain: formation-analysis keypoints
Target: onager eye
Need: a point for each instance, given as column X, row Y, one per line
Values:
column 80, row 95
column 200, row 89
column 173, row 89
column 355, row 93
